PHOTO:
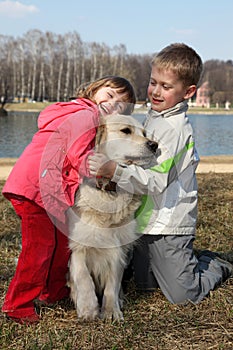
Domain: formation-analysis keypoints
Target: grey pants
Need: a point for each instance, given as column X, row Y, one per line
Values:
column 169, row 262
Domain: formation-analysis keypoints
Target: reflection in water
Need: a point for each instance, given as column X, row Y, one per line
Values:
column 213, row 133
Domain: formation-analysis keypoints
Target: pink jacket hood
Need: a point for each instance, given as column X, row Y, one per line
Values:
column 62, row 109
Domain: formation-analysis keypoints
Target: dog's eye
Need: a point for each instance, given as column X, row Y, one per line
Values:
column 126, row 131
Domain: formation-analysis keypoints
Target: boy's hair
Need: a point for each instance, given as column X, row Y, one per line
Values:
column 122, row 86
column 182, row 60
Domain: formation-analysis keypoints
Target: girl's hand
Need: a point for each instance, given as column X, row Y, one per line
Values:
column 101, row 166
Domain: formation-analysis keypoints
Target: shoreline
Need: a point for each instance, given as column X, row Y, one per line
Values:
column 37, row 107
column 216, row 164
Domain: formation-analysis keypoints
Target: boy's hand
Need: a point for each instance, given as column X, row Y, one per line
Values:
column 100, row 165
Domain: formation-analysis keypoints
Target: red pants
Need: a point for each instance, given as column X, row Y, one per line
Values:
column 42, row 264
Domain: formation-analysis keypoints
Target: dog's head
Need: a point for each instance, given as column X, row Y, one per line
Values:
column 122, row 138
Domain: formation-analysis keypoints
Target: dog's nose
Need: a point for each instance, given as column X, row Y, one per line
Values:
column 152, row 145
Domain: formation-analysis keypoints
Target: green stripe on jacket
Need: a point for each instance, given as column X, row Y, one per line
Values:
column 144, row 212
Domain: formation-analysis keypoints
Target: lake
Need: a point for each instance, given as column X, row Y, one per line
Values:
column 213, row 133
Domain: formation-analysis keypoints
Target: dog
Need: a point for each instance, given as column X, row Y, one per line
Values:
column 102, row 227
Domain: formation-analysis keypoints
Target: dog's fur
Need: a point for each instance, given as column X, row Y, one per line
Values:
column 102, row 227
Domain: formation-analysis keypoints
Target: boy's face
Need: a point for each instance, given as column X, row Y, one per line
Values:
column 165, row 90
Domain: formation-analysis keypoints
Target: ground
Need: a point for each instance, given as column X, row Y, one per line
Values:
column 151, row 322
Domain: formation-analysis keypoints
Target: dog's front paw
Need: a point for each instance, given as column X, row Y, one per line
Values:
column 112, row 315
column 87, row 313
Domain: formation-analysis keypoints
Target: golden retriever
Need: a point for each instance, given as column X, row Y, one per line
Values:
column 102, row 227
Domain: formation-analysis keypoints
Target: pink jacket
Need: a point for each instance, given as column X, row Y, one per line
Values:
column 51, row 167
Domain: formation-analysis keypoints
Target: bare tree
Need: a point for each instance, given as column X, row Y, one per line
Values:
column 78, row 56
column 21, row 50
column 49, row 47
column 34, row 49
column 60, row 61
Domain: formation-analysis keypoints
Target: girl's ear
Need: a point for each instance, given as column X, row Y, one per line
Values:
column 190, row 92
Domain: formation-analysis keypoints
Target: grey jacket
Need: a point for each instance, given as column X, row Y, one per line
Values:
column 169, row 188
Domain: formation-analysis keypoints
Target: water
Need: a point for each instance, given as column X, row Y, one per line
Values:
column 213, row 133
column 16, row 131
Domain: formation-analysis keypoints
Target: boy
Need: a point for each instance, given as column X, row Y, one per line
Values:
column 164, row 255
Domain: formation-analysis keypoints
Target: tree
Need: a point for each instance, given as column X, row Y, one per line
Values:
column 219, row 74
column 49, row 66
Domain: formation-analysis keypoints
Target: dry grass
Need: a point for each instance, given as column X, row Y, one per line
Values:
column 25, row 106
column 151, row 322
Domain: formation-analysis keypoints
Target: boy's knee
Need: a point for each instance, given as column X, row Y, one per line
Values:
column 182, row 294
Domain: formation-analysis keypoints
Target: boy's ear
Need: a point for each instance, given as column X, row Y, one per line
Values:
column 190, row 92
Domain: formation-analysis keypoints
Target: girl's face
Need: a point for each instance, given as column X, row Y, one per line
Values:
column 165, row 90
column 109, row 101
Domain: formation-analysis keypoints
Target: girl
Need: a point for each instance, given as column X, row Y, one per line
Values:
column 42, row 186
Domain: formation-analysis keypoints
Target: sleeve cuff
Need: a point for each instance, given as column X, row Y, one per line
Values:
column 118, row 172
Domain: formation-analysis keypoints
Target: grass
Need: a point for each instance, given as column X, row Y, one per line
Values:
column 151, row 322
column 25, row 106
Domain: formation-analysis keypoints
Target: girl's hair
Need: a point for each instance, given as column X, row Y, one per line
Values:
column 122, row 86
column 182, row 60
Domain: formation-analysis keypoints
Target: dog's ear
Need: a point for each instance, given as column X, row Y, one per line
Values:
column 101, row 134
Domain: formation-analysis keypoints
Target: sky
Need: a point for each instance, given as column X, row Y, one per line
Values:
column 144, row 27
